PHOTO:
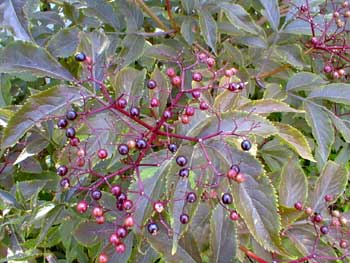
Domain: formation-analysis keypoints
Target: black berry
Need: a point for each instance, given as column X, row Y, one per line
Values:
column 226, row 198
column 184, row 172
column 298, row 206
column 151, row 84
column 172, row 147
column 184, row 218
column 324, row 230
column 96, row 194
column 191, row 197
column 246, row 145
column 70, row 132
column 181, row 160
column 134, row 112
column 65, row 183
column 121, row 103
column 80, row 57
column 62, row 123
column 123, row 149
column 71, row 115
column 141, row 144
column 167, row 114
column 62, row 170
column 152, row 228
column 121, row 232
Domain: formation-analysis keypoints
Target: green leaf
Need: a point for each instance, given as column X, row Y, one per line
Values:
column 295, row 139
column 5, row 86
column 133, row 15
column 7, row 200
column 48, row 222
column 188, row 29
column 12, row 16
column 271, row 12
column 341, row 125
column 322, row 130
column 267, row 106
column 293, row 185
column 223, row 241
column 38, row 108
column 105, row 11
column 332, row 181
column 64, row 43
column 305, row 81
column 133, row 46
column 238, row 17
column 90, row 233
column 208, row 28
column 188, row 5
column 161, row 52
column 336, row 92
column 21, row 56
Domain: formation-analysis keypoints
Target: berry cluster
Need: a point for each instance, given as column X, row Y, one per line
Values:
column 330, row 41
column 147, row 137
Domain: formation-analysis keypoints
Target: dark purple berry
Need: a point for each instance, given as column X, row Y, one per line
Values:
column 324, row 230
column 121, row 103
column 246, row 145
column 64, row 183
column 152, row 228
column 181, row 160
column 80, row 57
column 134, row 112
column 151, row 84
column 317, row 218
column 96, row 194
column 167, row 114
column 71, row 115
column 70, row 132
column 121, row 232
column 123, row 149
column 227, row 198
column 141, row 144
column 62, row 170
column 241, row 85
column 191, row 197
column 62, row 123
column 121, row 198
column 116, row 190
column 196, row 94
column 184, row 218
column 184, row 172
column 127, row 204
column 172, row 147
column 232, row 87
column 203, row 105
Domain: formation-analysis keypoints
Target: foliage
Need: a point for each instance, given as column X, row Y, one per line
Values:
column 174, row 131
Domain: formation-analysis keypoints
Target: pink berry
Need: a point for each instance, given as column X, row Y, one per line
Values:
column 328, row 198
column 97, row 211
column 234, row 216
column 176, row 81
column 82, row 206
column 298, row 206
column 129, row 221
column 210, row 62
column 171, row 72
column 203, row 105
column 102, row 153
column 120, row 248
column 102, row 258
column 154, row 102
column 197, row 77
column 327, row 69
column 113, row 239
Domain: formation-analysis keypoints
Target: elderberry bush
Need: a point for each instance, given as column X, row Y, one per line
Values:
column 174, row 131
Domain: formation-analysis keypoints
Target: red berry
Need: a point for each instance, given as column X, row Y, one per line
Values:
column 88, row 60
column 343, row 243
column 234, row 216
column 129, row 221
column 233, row 172
column 232, row 87
column 167, row 114
column 100, row 220
column 102, row 153
column 314, row 40
column 210, row 62
column 189, row 111
column 184, row 218
column 121, row 103
column 196, row 94
column 154, row 103
column 113, row 239
column 97, row 211
column 240, row 178
column 317, row 218
column 116, row 190
column 328, row 198
column 197, row 77
column 151, row 84
column 74, row 142
column 120, row 248
column 80, row 161
column 82, row 206
column 202, row 57
column 127, row 204
column 185, row 119
column 171, row 72
column 176, row 81
column 102, row 258
column 327, row 69
column 298, row 206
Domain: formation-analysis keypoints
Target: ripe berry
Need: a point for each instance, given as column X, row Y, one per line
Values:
column 241, row 85
column 121, row 232
column 172, row 147
column 167, row 114
column 324, row 230
column 131, row 144
column 189, row 111
column 120, row 248
column 113, row 239
column 80, row 57
column 343, row 243
column 328, row 198
column 96, row 194
column 170, row 72
column 62, row 170
column 134, row 112
column 151, row 84
column 185, row 119
column 141, row 144
column 127, row 204
column 116, row 190
column 184, row 172
column 129, row 221
column 191, row 197
column 102, row 153
column 62, row 123
column 303, row 8
column 74, row 142
column 327, row 69
column 184, row 218
column 234, row 216
column 97, row 211
column 228, row 73
column 70, row 132
column 154, row 103
column 298, row 206
column 196, row 94
column 233, row 172
column 246, row 145
column 197, row 77
column 317, row 218
column 314, row 40
column 123, row 149
column 121, row 103
column 176, row 81
column 232, row 87
column 181, row 160
column 210, row 62
column 121, row 198
column 152, row 228
column 102, row 258
column 227, row 198
column 158, row 207
column 71, row 115
column 82, row 206
column 203, row 105
column 64, row 183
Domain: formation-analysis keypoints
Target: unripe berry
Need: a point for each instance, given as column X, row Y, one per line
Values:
column 71, row 115
column 100, row 220
column 121, row 232
column 210, row 62
column 233, row 171
column 327, row 69
column 202, row 57
column 324, row 230
column 121, row 103
column 189, row 111
column 317, row 218
column 88, row 61
column 343, row 243
column 152, row 228
column 116, row 190
column 185, row 119
column 343, row 220
column 228, row 73
column 167, row 114
column 314, row 40
column 176, row 81
column 121, row 198
column 62, row 170
column 240, row 178
column 154, row 103
column 171, row 72
column 74, row 142
column 203, row 105
column 196, row 94
column 347, row 14
column 134, row 111
column 335, row 14
column 82, row 206
column 158, row 207
column 113, row 239
column 131, row 144
column 328, row 198
column 81, row 153
column 181, row 160
column 298, row 206
column 62, row 123
column 197, row 77
column 151, row 84
column 234, row 216
column 184, row 218
column 96, row 194
column 97, row 211
column 129, row 221
column 70, row 132
column 120, row 248
column 141, row 144
column 308, row 210
column 123, row 149
column 341, row 72
column 102, row 258
column 102, row 154
column 227, row 198
column 336, row 75
column 80, row 57
column 345, row 4
column 172, row 147
column 127, row 204
column 191, row 197
column 335, row 213
column 246, row 145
